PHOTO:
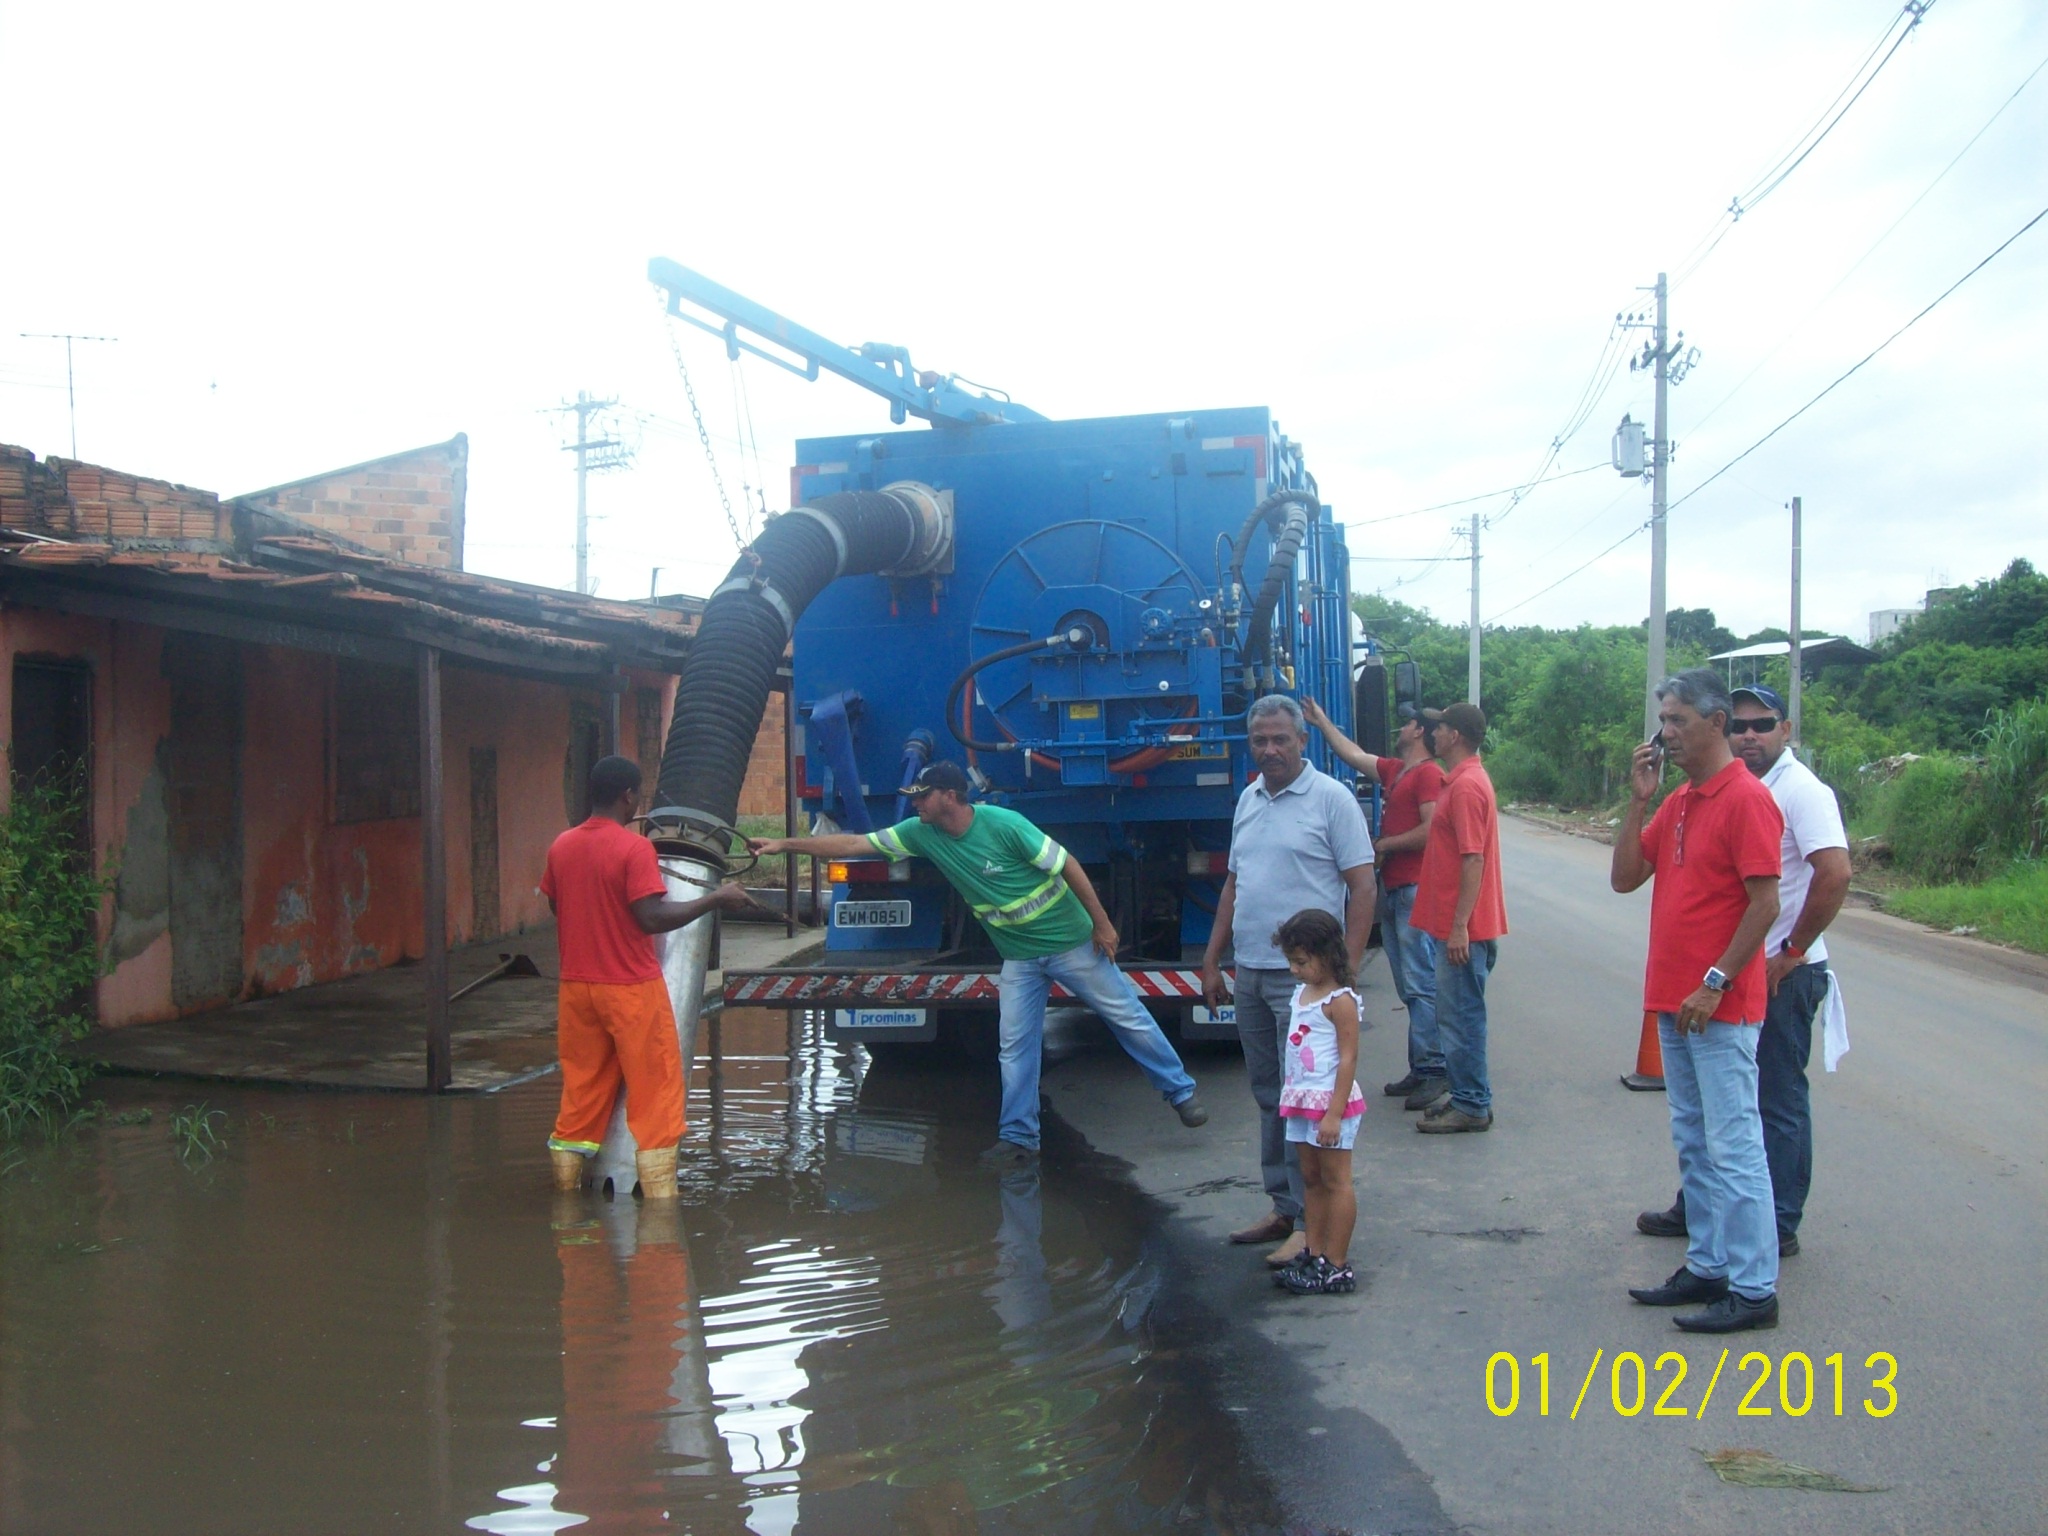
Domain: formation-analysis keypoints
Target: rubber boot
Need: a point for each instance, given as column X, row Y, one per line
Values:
column 568, row 1168
column 657, row 1170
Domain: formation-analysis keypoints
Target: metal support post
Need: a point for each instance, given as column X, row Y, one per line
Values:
column 1660, row 459
column 434, row 875
column 789, row 810
column 1472, row 653
column 1792, row 698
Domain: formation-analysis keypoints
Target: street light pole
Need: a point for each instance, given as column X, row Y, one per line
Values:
column 1472, row 648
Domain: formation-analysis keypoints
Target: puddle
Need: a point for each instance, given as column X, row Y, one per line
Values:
column 368, row 1312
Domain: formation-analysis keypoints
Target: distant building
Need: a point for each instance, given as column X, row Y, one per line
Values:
column 238, row 686
column 1886, row 622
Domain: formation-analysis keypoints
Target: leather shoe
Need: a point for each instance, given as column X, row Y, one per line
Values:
column 1731, row 1314
column 1683, row 1289
column 1788, row 1245
column 1452, row 1121
column 1403, row 1088
column 1426, row 1092
column 1669, row 1223
column 1271, row 1230
column 1289, row 1251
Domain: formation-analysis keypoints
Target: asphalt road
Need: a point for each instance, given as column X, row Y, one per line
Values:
column 1924, row 1238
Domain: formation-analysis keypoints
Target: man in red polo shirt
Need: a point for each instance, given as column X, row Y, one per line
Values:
column 615, row 1022
column 1713, row 848
column 1458, row 903
column 1412, row 781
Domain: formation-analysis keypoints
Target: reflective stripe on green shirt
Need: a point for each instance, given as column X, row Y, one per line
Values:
column 1011, row 874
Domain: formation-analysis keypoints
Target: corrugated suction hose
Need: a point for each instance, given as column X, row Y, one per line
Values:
column 1288, row 513
column 747, row 624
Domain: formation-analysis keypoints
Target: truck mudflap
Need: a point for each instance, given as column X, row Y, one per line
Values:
column 844, row 987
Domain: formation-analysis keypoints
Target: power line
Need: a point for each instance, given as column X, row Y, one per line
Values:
column 1568, row 575
column 1463, row 501
column 1858, row 364
column 1912, row 13
column 1814, row 308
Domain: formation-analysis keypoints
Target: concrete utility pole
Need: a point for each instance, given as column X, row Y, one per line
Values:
column 1660, row 459
column 1792, row 699
column 70, row 381
column 594, row 456
column 1472, row 651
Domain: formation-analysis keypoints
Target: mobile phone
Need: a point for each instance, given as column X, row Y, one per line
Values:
column 1656, row 746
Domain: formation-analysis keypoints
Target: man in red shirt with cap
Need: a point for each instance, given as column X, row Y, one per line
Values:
column 1713, row 849
column 615, row 1021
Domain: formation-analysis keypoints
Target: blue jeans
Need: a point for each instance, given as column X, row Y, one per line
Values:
column 1710, row 1084
column 1783, row 1048
column 1264, row 999
column 1411, row 959
column 1095, row 981
column 1461, row 1024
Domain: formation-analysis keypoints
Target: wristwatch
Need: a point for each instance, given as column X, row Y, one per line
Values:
column 1716, row 979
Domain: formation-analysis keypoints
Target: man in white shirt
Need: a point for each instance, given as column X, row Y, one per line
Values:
column 1298, row 840
column 1810, row 893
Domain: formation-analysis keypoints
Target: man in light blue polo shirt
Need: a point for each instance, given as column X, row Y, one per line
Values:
column 1298, row 840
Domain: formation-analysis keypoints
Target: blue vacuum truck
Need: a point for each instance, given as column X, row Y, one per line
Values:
column 1079, row 612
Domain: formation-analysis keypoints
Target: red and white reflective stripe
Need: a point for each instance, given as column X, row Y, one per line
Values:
column 1257, row 445
column 1180, row 984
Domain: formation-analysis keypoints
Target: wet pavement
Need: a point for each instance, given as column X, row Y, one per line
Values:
column 367, row 1312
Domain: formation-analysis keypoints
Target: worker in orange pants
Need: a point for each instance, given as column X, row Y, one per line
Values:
column 615, row 1021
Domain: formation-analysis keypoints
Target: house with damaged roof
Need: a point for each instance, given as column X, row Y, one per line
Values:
column 309, row 743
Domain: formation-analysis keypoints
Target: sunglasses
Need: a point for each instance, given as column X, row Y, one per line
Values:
column 1740, row 727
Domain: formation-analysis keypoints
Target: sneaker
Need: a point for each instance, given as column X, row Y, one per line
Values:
column 1303, row 1260
column 1403, row 1088
column 1192, row 1112
column 1308, row 1278
column 1010, row 1154
column 1426, row 1092
column 1451, row 1120
column 1338, row 1280
column 1731, row 1314
column 1683, row 1289
column 1669, row 1223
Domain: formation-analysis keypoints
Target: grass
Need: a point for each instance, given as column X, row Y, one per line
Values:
column 2011, row 907
column 197, row 1130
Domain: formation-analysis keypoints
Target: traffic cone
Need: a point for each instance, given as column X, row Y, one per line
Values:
column 1648, row 1076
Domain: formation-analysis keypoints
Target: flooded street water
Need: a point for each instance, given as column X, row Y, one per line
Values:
column 368, row 1313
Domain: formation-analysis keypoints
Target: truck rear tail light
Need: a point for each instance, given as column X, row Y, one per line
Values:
column 857, row 871
column 1204, row 863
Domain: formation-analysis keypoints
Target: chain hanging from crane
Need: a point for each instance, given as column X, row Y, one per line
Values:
column 739, row 539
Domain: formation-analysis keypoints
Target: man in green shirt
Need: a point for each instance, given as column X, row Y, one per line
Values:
column 1044, row 918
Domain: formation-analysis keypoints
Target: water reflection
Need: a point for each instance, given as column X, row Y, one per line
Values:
column 848, row 1326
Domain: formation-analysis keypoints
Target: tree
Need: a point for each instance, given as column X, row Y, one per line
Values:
column 1696, row 631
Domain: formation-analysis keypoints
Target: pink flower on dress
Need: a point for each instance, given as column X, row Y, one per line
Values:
column 1308, row 1058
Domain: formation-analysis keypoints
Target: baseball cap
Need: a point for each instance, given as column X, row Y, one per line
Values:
column 1468, row 720
column 1406, row 712
column 940, row 776
column 1768, row 697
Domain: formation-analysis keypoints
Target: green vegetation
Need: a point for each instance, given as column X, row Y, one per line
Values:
column 49, row 905
column 197, row 1131
column 1939, row 749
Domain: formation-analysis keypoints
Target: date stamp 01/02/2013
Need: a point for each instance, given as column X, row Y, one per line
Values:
column 1762, row 1385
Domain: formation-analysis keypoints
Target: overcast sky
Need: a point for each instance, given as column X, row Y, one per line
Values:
column 324, row 235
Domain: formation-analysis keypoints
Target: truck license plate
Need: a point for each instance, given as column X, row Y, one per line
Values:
column 871, row 914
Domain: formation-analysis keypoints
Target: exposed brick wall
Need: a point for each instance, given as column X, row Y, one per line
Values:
column 66, row 499
column 762, row 792
column 409, row 506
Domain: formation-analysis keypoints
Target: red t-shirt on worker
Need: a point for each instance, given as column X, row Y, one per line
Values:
column 1467, row 820
column 1407, row 793
column 595, row 873
column 1704, row 842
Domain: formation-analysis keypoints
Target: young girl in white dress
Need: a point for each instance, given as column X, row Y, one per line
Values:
column 1322, row 1117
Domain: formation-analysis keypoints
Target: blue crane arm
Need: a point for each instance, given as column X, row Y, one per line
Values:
column 875, row 366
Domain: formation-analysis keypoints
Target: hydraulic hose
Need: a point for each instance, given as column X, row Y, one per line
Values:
column 1287, row 513
column 961, row 725
column 746, row 627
